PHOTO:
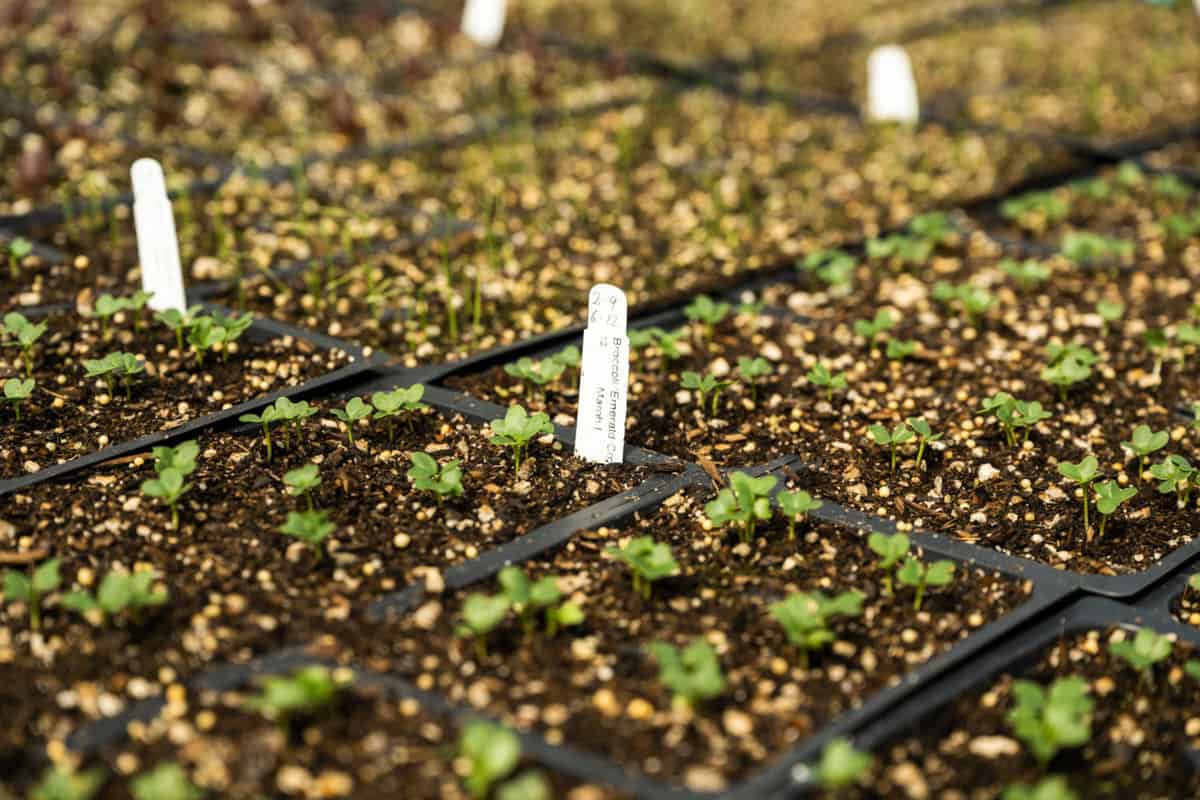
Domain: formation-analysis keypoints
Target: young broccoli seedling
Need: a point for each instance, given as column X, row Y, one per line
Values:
column 25, row 335
column 356, row 409
column 972, row 301
column 203, row 335
column 536, row 374
column 751, row 369
column 63, row 783
column 569, row 357
column 902, row 434
column 744, row 503
column 442, row 480
column 1003, row 406
column 518, row 429
column 1147, row 649
column 105, row 309
column 1028, row 274
column 1052, row 788
column 706, row 312
column 871, row 329
column 169, row 487
column 1051, row 719
column 925, row 435
column 1028, row 415
column 179, row 321
column 795, row 506
column 1109, row 496
column 305, row 691
column 1143, row 442
column 1069, row 365
column 900, row 349
column 841, row 765
column 805, row 618
column 919, row 575
column 527, row 597
column 706, row 386
column 396, row 402
column 112, row 367
column 165, row 782
column 1083, row 474
column 1035, row 209
column 481, row 614
column 648, row 561
column 904, row 249
column 1175, row 474
column 268, row 416
column 181, row 457
column 302, row 480
column 526, row 786
column 119, row 592
column 1110, row 312
column 693, row 674
column 17, row 391
column 834, row 268
column 310, row 527
column 20, row 588
column 820, row 376
column 1080, row 247
column 18, row 249
column 1157, row 342
column 890, row 550
column 492, row 751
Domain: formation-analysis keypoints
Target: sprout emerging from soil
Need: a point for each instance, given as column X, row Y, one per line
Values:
column 648, row 561
column 443, row 480
column 706, row 386
column 301, row 482
column 751, row 369
column 795, row 506
column 63, row 783
column 900, row 349
column 492, row 753
column 1110, row 312
column 1069, row 364
column 805, row 618
column 169, row 487
column 1175, row 474
column 165, row 782
column 518, row 429
column 113, row 367
column 972, row 301
column 356, row 409
column 834, row 268
column 268, row 416
column 536, row 374
column 707, row 312
column 396, row 402
column 310, row 527
column 119, row 592
column 693, row 674
column 1109, row 496
column 744, row 503
column 527, row 598
column 17, row 391
column 30, row 589
column 24, row 335
column 1033, row 211
column 1143, row 442
column 481, row 614
column 1051, row 719
column 891, row 440
column 890, row 550
column 1081, row 247
column 1028, row 274
column 820, row 376
column 841, row 765
column 1052, row 788
column 925, row 436
column 920, row 576
column 305, row 691
column 1145, row 650
column 18, row 249
column 179, row 321
column 1083, row 474
column 871, row 329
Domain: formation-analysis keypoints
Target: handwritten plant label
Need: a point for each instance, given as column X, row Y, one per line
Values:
column 891, row 87
column 483, row 21
column 603, row 378
column 158, row 245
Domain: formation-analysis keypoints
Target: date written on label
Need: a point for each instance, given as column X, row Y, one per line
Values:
column 604, row 378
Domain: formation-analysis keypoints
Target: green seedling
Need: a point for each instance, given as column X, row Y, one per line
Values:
column 396, row 402
column 18, row 249
column 1052, row 788
column 648, row 561
column 179, row 321
column 114, row 366
column 972, row 301
column 536, row 374
column 925, row 436
column 1110, row 311
column 1067, row 371
column 1028, row 415
column 890, row 550
column 356, row 409
column 706, row 386
column 17, row 391
column 1033, row 211
column 492, row 753
column 1051, row 719
column 1109, row 497
column 693, row 674
column 24, row 335
column 64, row 783
column 1170, row 186
column 834, row 268
column 795, row 506
column 841, row 765
column 1143, row 442
column 901, row 248
column 481, row 614
column 871, row 329
column 119, row 592
column 268, row 416
column 181, row 458
column 708, row 313
column 443, row 480
column 518, row 429
column 1003, row 406
column 1157, row 342
column 932, row 226
column 569, row 357
column 902, row 434
column 168, row 487
column 1175, row 474
column 920, row 576
column 526, row 786
column 165, row 782
column 528, row 597
column 805, row 618
column 301, row 482
column 30, row 589
column 900, row 349
column 203, row 335
column 820, row 376
column 105, row 309
column 1192, row 668
column 1083, row 474
column 1080, row 247
column 751, row 369
column 1147, row 649
column 291, row 414
column 743, row 504
column 284, row 697
column 310, row 527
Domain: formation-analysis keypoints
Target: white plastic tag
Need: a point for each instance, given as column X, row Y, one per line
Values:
column 603, row 378
column 483, row 21
column 891, row 87
column 158, row 246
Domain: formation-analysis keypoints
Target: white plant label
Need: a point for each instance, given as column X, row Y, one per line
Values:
column 158, row 246
column 603, row 378
column 891, row 87
column 483, row 21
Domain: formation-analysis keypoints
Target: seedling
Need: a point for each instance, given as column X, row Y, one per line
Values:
column 64, row 783
column 179, row 321
column 517, row 430
column 169, row 487
column 795, row 506
column 539, row 374
column 925, row 435
column 105, row 309
column 310, row 527
column 1051, row 719
column 693, row 675
column 918, row 575
column 870, row 329
column 932, row 226
column 30, row 590
column 1110, row 311
column 444, row 480
column 971, row 300
column 1034, row 210
column 165, row 782
column 1028, row 415
column 203, row 335
column 1080, row 247
column 1109, row 496
column 25, row 335
column 1143, row 442
column 1175, row 474
column 890, row 550
column 904, row 249
column 751, row 369
column 841, row 765
column 305, row 691
column 648, row 561
column 834, row 268
column 396, row 402
column 492, row 752
column 17, row 391
column 1083, row 474
column 900, row 349
column 302, row 480
column 181, row 457
column 569, row 357
column 112, row 367
column 119, row 592
column 481, row 614
column 744, row 503
column 820, row 376
column 527, row 597
column 891, row 440
column 706, row 312
column 1147, row 649
column 526, row 786
column 1052, row 788
column 707, row 386
column 356, row 409
column 1068, row 366
column 18, row 249
column 805, row 618
column 291, row 414
column 268, row 416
